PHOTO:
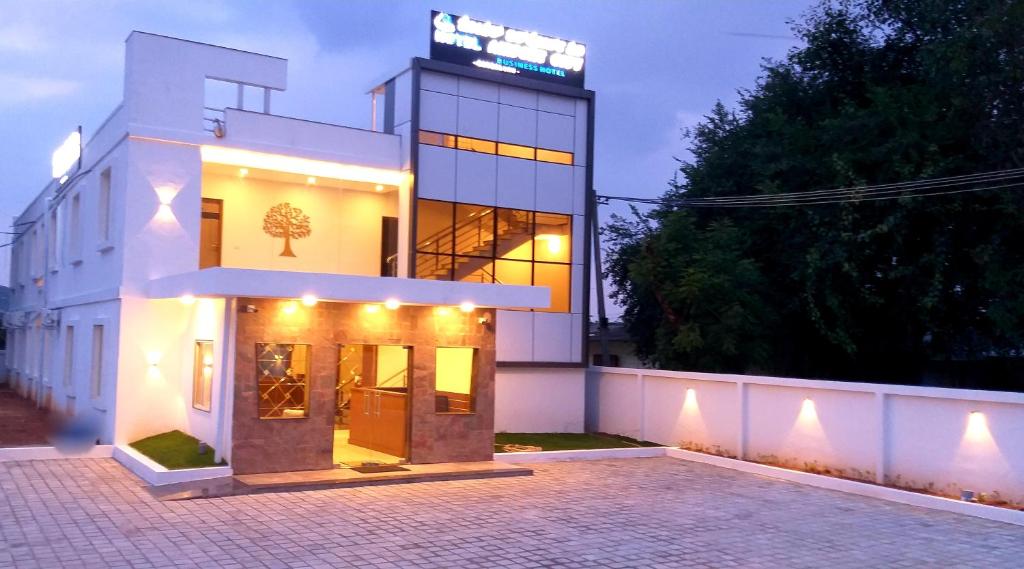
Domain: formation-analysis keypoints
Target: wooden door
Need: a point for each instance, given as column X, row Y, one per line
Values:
column 210, row 232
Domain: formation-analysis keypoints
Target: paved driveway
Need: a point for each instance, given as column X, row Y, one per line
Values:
column 626, row 513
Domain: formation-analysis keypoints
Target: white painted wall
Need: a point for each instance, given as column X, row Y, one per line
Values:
column 155, row 365
column 912, row 436
column 539, row 400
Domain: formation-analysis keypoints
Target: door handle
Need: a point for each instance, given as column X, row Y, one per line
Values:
column 366, row 403
column 378, row 404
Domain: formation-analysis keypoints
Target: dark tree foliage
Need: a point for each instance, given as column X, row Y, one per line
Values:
column 882, row 91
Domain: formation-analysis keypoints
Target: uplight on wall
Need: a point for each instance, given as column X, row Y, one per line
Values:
column 808, row 412
column 977, row 428
column 690, row 402
column 153, row 359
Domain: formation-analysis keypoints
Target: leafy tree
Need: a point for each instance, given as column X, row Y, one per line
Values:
column 289, row 222
column 882, row 91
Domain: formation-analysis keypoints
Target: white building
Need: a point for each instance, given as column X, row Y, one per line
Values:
column 157, row 284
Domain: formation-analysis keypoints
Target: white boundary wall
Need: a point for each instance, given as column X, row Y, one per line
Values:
column 922, row 437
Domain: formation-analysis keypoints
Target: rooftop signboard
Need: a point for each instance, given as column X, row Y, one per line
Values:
column 465, row 41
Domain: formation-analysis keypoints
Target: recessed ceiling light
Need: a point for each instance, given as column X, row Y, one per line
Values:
column 379, row 188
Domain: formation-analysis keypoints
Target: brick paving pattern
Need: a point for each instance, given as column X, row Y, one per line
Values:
column 626, row 513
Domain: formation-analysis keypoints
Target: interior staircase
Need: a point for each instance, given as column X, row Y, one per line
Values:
column 475, row 237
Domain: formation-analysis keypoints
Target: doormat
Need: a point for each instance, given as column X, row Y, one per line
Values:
column 379, row 468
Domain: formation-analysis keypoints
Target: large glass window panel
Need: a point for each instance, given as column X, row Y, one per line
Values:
column 474, row 230
column 513, row 272
column 515, row 234
column 553, row 240
column 433, row 267
column 282, row 374
column 558, row 278
column 454, row 379
column 473, row 269
column 434, row 226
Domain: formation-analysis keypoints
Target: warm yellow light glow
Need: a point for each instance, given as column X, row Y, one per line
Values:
column 153, row 358
column 243, row 172
column 392, row 304
column 467, row 306
column 289, row 307
column 371, row 308
column 303, row 166
column 165, row 194
column 187, row 299
column 379, row 188
column 442, row 311
column 311, row 180
column 977, row 428
column 309, row 300
column 690, row 403
column 554, row 242
column 808, row 412
column 208, row 360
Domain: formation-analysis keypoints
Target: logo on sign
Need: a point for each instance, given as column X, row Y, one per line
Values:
column 482, row 44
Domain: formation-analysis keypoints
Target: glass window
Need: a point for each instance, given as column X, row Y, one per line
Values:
column 544, row 155
column 202, row 375
column 515, row 230
column 96, row 375
column 434, row 267
column 103, row 209
column 454, row 379
column 558, row 278
column 282, row 374
column 434, row 222
column 474, row 230
column 516, row 151
column 437, row 139
column 476, row 145
column 473, row 269
column 69, row 355
column 513, row 272
column 553, row 239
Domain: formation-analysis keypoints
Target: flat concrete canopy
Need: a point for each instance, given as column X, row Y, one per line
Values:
column 229, row 282
column 654, row 512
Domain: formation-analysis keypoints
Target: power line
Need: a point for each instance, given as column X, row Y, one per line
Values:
column 1014, row 178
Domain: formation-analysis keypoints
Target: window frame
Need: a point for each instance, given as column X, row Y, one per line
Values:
column 198, row 366
column 473, row 380
column 306, row 381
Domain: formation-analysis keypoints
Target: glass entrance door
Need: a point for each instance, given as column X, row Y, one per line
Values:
column 372, row 395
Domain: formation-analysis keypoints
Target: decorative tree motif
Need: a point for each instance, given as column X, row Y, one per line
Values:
column 286, row 221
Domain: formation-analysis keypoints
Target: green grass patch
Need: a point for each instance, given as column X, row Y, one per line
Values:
column 175, row 450
column 567, row 441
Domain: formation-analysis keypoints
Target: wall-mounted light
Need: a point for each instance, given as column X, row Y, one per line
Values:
column 309, row 300
column 153, row 359
column 392, row 304
column 484, row 320
column 977, row 427
column 467, row 307
column 187, row 299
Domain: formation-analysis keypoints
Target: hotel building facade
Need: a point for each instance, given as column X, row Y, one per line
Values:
column 299, row 294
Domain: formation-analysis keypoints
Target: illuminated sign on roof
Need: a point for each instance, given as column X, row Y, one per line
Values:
column 465, row 41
